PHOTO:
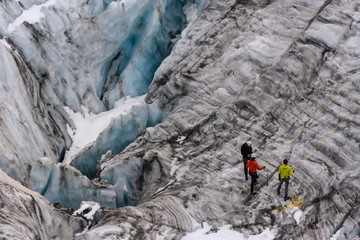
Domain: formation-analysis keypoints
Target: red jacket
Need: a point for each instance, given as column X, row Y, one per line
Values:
column 253, row 165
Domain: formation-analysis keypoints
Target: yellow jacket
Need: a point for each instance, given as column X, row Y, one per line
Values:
column 285, row 171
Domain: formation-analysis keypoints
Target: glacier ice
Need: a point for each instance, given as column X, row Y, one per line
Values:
column 247, row 90
column 125, row 174
column 63, row 184
column 225, row 232
column 139, row 34
column 242, row 70
column 119, row 133
column 91, row 211
column 26, row 134
column 27, row 215
column 39, row 30
column 31, row 15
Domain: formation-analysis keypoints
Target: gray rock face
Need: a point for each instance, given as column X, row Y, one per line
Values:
column 265, row 71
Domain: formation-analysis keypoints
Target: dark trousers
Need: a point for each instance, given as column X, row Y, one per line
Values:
column 286, row 180
column 245, row 160
column 254, row 178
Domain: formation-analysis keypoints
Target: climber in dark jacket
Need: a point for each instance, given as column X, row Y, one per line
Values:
column 246, row 151
column 253, row 166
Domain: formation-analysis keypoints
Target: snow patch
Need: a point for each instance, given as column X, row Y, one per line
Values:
column 5, row 43
column 336, row 236
column 88, row 126
column 88, row 210
column 86, row 205
column 225, row 232
column 297, row 216
column 180, row 139
column 31, row 15
column 328, row 34
column 4, row 178
column 125, row 188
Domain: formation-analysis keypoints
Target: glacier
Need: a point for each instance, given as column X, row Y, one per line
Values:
column 128, row 118
column 28, row 215
column 117, row 75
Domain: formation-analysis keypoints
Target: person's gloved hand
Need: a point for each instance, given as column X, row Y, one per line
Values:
column 279, row 177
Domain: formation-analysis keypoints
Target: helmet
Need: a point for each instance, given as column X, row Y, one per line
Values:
column 249, row 143
column 253, row 155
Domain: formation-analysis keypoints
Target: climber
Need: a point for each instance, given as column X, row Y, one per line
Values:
column 285, row 172
column 253, row 166
column 246, row 151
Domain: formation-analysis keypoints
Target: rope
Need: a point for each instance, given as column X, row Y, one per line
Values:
column 296, row 202
column 313, row 119
column 357, row 102
column 321, row 171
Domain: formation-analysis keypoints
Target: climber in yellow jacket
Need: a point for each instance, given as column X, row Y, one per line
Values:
column 285, row 172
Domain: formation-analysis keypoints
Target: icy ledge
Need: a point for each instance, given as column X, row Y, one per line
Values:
column 75, row 179
column 93, row 53
column 25, row 214
column 63, row 184
column 113, row 131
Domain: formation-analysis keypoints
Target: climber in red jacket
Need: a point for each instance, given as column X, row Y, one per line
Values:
column 253, row 166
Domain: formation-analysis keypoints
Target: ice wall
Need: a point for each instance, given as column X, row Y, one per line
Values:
column 27, row 215
column 28, row 128
column 76, row 54
column 63, row 184
column 121, row 131
column 93, row 53
column 125, row 173
column 258, row 70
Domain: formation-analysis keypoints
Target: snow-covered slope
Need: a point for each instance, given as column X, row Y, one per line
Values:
column 283, row 74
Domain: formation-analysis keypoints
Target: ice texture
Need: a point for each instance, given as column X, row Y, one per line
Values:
column 100, row 59
column 27, row 129
column 61, row 183
column 117, row 135
column 87, row 56
column 242, row 70
column 28, row 215
column 252, row 71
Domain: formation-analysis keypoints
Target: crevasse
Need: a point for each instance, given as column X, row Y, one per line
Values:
column 89, row 58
